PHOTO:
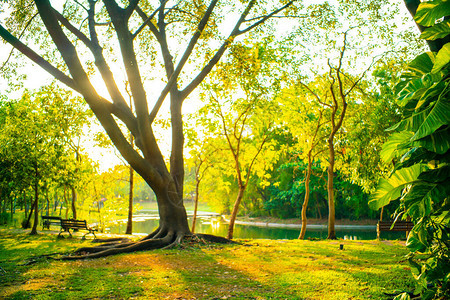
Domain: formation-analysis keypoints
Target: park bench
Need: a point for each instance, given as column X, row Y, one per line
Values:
column 398, row 226
column 50, row 220
column 67, row 224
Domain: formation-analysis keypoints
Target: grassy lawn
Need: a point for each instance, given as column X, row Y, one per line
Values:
column 254, row 269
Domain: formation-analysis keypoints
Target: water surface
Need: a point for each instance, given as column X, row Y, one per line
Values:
column 213, row 225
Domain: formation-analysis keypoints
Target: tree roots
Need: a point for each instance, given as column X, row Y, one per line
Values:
column 159, row 239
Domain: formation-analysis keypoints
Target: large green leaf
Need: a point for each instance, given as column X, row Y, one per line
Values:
column 414, row 242
column 384, row 194
column 441, row 174
column 421, row 65
column 431, row 94
column 412, row 123
column 415, row 156
column 397, row 141
column 439, row 115
column 442, row 58
column 418, row 201
column 438, row 142
column 413, row 90
column 438, row 31
column 428, row 12
column 390, row 189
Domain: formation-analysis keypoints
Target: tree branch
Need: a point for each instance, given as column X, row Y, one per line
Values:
column 147, row 20
column 73, row 29
column 174, row 76
column 265, row 18
column 28, row 52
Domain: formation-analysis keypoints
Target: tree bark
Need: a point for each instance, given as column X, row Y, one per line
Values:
column 306, row 200
column 27, row 222
column 36, row 205
column 235, row 211
column 194, row 218
column 74, row 200
column 172, row 214
column 130, row 203
column 330, row 190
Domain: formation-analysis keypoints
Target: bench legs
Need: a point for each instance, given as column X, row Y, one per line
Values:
column 90, row 231
column 70, row 234
column 63, row 230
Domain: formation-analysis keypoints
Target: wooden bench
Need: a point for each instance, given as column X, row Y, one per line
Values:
column 398, row 226
column 68, row 224
column 50, row 220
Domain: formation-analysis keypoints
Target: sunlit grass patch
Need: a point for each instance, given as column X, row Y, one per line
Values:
column 254, row 269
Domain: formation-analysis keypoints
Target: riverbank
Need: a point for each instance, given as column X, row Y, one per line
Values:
column 252, row 269
column 315, row 224
column 311, row 221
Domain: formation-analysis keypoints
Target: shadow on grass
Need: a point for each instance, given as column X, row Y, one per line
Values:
column 257, row 269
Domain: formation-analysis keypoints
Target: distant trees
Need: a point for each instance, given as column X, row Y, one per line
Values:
column 240, row 104
column 38, row 138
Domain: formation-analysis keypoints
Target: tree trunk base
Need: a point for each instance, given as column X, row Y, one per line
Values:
column 156, row 240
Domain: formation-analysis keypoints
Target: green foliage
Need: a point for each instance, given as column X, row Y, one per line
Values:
column 421, row 149
column 40, row 149
column 283, row 197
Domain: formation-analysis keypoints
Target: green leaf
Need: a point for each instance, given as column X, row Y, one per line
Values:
column 413, row 90
column 438, row 142
column 436, row 175
column 412, row 123
column 397, row 141
column 420, row 66
column 384, row 194
column 442, row 58
column 414, row 243
column 418, row 201
column 438, row 31
column 414, row 156
column 435, row 90
column 428, row 12
column 439, row 115
column 402, row 296
column 390, row 189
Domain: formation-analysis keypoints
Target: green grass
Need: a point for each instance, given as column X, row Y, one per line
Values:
column 254, row 269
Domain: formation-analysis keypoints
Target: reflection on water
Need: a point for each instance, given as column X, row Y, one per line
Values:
column 217, row 227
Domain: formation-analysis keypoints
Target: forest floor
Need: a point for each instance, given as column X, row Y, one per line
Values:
column 250, row 269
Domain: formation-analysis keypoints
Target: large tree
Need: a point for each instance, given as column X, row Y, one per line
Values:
column 77, row 36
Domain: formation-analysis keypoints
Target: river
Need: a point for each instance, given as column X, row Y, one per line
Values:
column 217, row 226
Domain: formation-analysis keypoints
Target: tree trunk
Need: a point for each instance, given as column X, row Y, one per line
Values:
column 172, row 214
column 74, row 200
column 36, row 210
column 194, row 218
column 130, row 203
column 25, row 201
column 48, row 202
column 305, row 202
column 234, row 212
column 330, row 189
column 13, row 200
column 27, row 222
